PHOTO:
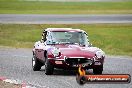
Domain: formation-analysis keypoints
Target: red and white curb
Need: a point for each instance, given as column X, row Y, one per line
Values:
column 23, row 84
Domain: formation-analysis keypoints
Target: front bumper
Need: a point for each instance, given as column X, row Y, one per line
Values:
column 74, row 62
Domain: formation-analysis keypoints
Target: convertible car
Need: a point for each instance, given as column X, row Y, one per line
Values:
column 66, row 48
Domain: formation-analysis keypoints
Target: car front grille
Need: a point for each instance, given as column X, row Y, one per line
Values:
column 78, row 60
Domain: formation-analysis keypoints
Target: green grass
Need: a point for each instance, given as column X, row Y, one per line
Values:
column 43, row 7
column 114, row 39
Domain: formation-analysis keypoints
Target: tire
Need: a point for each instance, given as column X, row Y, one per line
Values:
column 36, row 64
column 98, row 70
column 49, row 68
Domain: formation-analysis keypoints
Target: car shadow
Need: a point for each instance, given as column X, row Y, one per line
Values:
column 61, row 72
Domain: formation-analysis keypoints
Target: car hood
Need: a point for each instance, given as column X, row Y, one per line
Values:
column 77, row 51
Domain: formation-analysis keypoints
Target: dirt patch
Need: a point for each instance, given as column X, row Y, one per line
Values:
column 9, row 85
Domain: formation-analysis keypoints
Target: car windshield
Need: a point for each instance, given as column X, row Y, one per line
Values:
column 67, row 38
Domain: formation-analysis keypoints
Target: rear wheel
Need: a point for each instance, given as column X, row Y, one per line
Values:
column 36, row 64
column 49, row 68
column 98, row 70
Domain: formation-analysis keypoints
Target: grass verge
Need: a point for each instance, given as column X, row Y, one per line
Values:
column 114, row 39
column 45, row 7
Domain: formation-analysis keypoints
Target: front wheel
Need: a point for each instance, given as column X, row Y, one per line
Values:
column 36, row 64
column 49, row 68
column 98, row 70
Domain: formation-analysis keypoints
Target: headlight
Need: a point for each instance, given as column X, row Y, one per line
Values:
column 56, row 52
column 100, row 53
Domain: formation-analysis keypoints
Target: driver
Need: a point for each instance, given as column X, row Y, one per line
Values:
column 75, row 38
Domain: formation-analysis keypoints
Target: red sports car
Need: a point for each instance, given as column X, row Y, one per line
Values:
column 66, row 48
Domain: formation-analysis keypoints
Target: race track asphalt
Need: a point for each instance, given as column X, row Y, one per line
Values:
column 16, row 64
column 64, row 19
